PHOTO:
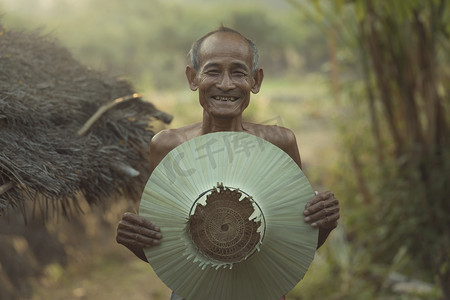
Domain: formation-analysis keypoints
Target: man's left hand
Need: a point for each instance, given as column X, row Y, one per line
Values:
column 322, row 211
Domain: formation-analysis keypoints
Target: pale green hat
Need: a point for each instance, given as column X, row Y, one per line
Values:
column 230, row 208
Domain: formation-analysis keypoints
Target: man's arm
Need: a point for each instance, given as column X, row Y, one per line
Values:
column 133, row 231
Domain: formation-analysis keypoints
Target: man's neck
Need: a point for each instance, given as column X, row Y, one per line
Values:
column 211, row 124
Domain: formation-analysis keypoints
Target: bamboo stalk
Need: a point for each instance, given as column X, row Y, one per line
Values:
column 371, row 97
column 334, row 64
column 426, row 61
column 125, row 169
column 362, row 184
column 383, row 84
column 403, row 66
column 104, row 108
column 6, row 187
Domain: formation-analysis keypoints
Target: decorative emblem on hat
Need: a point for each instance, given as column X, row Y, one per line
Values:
column 222, row 229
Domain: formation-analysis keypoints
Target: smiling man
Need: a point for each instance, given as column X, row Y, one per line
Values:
column 224, row 69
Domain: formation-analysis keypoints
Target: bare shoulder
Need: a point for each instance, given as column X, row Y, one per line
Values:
column 282, row 137
column 166, row 140
column 171, row 138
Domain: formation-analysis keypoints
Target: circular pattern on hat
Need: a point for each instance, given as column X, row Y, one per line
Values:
column 221, row 229
column 273, row 182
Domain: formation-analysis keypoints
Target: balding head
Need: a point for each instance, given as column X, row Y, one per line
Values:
column 194, row 53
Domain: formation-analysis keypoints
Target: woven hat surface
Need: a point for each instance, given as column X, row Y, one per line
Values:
column 229, row 205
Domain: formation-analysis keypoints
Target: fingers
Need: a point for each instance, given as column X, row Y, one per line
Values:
column 326, row 217
column 136, row 240
column 139, row 221
column 322, row 211
column 319, row 197
column 319, row 202
column 329, row 222
column 139, row 229
column 135, row 231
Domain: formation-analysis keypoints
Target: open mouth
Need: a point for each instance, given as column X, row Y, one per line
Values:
column 225, row 98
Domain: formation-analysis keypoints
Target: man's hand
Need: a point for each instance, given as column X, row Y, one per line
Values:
column 136, row 233
column 322, row 211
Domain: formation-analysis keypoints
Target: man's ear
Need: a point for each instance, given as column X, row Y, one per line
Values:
column 191, row 76
column 258, row 77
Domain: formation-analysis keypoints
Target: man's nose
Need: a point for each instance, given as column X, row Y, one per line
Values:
column 225, row 82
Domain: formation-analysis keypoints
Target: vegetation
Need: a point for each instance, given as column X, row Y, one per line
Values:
column 363, row 83
column 393, row 62
column 149, row 41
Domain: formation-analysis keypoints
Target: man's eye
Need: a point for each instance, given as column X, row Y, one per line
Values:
column 239, row 74
column 212, row 72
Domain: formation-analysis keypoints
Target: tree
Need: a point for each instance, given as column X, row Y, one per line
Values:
column 401, row 50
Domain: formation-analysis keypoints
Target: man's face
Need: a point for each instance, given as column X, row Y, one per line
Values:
column 224, row 78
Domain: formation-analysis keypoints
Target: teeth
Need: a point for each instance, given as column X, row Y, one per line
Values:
column 222, row 98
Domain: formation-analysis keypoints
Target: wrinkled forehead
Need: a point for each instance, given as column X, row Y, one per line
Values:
column 225, row 45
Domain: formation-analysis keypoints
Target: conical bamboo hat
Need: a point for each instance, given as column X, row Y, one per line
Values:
column 229, row 206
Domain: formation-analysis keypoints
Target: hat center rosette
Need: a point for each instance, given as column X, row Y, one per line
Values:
column 228, row 227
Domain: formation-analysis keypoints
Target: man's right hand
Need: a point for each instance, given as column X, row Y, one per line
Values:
column 136, row 233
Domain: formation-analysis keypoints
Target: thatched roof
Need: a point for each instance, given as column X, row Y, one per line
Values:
column 51, row 154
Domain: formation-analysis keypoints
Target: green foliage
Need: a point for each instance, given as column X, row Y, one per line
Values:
column 393, row 91
column 395, row 212
column 148, row 41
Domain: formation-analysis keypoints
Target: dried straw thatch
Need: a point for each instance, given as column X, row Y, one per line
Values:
column 67, row 132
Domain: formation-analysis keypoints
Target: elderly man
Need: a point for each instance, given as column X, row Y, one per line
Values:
column 224, row 69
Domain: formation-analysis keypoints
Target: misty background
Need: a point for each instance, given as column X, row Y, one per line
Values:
column 364, row 86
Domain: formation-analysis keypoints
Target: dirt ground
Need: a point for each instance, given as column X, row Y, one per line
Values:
column 113, row 274
column 97, row 267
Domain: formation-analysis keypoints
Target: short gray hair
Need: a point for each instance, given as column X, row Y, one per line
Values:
column 195, row 49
